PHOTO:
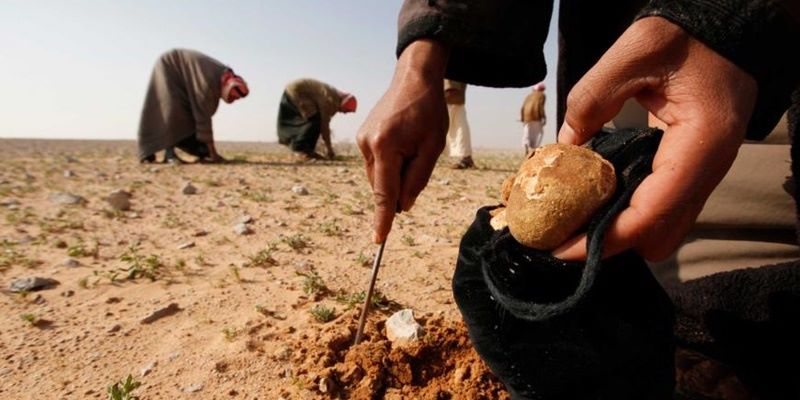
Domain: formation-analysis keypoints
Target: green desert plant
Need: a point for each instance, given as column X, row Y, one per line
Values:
column 123, row 390
column 323, row 314
column 313, row 285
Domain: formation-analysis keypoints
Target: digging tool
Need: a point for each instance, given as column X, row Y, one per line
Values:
column 368, row 299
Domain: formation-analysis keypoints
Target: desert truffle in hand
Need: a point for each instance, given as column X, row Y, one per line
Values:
column 556, row 191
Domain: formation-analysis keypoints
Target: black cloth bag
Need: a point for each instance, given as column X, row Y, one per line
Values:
column 556, row 330
column 298, row 133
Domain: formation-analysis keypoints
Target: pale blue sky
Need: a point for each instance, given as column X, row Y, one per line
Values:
column 79, row 68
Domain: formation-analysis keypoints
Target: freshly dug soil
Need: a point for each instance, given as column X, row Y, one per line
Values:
column 441, row 365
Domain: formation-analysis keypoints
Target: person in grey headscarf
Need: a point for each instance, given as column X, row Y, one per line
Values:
column 184, row 93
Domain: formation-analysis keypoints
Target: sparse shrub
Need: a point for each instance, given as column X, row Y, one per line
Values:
column 123, row 390
column 261, row 259
column 408, row 240
column 313, row 285
column 330, row 228
column 295, row 241
column 323, row 314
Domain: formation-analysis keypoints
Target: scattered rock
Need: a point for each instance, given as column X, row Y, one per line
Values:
column 70, row 262
column 300, row 190
column 444, row 182
column 68, row 173
column 119, row 200
column 402, row 328
column 200, row 232
column 153, row 170
column 184, row 246
column 188, row 188
column 25, row 239
column 31, row 284
column 147, row 368
column 9, row 202
column 325, row 385
column 68, row 293
column 246, row 219
column 341, row 170
column 66, row 198
column 195, row 387
column 171, row 309
column 242, row 229
column 70, row 159
column 60, row 244
column 115, row 328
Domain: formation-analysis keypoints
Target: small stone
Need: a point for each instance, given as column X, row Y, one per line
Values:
column 300, row 190
column 283, row 353
column 119, row 200
column 246, row 219
column 402, row 328
column 70, row 262
column 9, row 202
column 31, row 284
column 60, row 244
column 242, row 229
column 341, row 170
column 161, row 313
column 188, row 188
column 325, row 385
column 184, row 246
column 153, row 170
column 68, row 293
column 70, row 159
column 66, row 198
column 195, row 387
column 444, row 182
column 200, row 232
column 174, row 356
column 147, row 368
column 115, row 328
column 68, row 173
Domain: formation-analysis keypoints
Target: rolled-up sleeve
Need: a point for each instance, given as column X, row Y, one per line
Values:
column 494, row 43
column 759, row 36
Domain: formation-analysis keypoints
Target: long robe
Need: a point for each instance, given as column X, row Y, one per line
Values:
column 183, row 95
column 305, row 113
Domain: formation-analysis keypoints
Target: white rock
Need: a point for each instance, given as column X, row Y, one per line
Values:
column 187, row 245
column 8, row 202
column 242, row 229
column 66, row 198
column 68, row 173
column 246, row 219
column 70, row 262
column 147, row 368
column 300, row 190
column 119, row 200
column 196, row 387
column 188, row 188
column 402, row 328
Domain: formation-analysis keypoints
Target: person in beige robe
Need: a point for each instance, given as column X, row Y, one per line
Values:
column 183, row 94
column 306, row 109
column 533, row 118
column 459, row 138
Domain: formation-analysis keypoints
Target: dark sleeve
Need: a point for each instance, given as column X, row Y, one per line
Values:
column 493, row 42
column 759, row 36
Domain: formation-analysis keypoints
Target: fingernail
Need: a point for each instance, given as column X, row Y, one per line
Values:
column 567, row 135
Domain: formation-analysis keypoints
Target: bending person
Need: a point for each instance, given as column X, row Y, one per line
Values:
column 305, row 113
column 184, row 93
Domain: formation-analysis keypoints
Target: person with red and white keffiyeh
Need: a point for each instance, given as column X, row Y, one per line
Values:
column 184, row 93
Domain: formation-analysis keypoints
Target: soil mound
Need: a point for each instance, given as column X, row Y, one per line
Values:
column 442, row 364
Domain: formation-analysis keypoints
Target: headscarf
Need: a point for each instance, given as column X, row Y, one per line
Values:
column 230, row 82
column 348, row 103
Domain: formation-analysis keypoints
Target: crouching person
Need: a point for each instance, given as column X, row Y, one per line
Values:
column 305, row 113
column 184, row 93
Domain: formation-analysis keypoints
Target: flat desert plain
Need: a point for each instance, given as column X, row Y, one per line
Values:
column 249, row 288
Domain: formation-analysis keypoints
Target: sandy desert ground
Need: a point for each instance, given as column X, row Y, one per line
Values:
column 242, row 313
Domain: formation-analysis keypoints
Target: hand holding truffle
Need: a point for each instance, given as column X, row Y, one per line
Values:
column 704, row 100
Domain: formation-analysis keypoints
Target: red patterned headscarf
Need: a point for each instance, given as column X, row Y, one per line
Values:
column 233, row 87
column 348, row 103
